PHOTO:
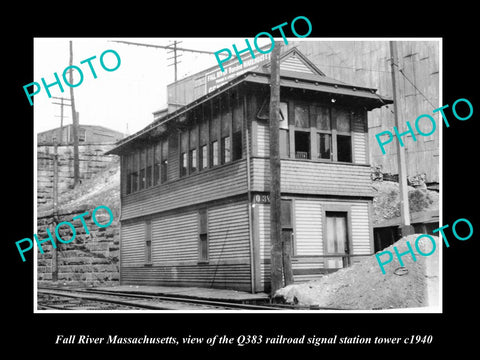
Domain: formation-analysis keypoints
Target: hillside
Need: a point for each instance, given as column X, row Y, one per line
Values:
column 386, row 204
column 101, row 189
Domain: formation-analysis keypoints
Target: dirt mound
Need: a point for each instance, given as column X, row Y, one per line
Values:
column 363, row 286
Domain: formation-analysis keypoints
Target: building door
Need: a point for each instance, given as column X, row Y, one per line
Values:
column 336, row 240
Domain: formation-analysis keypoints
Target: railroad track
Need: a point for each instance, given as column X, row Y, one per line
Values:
column 92, row 299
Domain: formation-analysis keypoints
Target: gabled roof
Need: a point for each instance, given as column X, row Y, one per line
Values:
column 296, row 71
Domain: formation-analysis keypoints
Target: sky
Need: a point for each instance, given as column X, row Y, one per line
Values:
column 125, row 97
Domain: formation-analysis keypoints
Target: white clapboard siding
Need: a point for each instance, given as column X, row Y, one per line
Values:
column 308, row 177
column 293, row 63
column 228, row 235
column 133, row 244
column 360, row 229
column 359, row 139
column 308, row 227
column 227, row 180
column 264, row 238
column 263, row 139
column 175, row 238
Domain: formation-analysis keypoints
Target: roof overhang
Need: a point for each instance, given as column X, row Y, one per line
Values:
column 366, row 97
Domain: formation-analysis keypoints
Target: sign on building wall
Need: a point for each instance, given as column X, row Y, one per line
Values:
column 217, row 78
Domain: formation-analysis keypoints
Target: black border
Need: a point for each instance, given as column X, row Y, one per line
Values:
column 450, row 329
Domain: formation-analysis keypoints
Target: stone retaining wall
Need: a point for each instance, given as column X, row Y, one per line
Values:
column 92, row 160
column 90, row 259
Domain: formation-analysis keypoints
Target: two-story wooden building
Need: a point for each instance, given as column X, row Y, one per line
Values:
column 195, row 183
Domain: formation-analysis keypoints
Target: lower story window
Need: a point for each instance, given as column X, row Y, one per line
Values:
column 203, row 256
column 148, row 242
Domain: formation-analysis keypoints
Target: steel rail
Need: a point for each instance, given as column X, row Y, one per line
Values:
column 90, row 295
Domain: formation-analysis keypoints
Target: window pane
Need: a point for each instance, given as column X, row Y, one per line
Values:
column 342, row 118
column 344, row 148
column 134, row 181
column 183, row 164
column 203, row 256
column 302, row 145
column 321, row 117
column 301, row 117
column 324, row 143
column 149, row 160
column 226, row 119
column 193, row 137
column 163, row 170
column 157, row 159
column 148, row 177
column 203, row 157
column 142, row 179
column 129, row 172
column 142, row 159
column 165, row 149
column 226, row 150
column 184, row 141
column 148, row 252
column 214, row 153
column 237, row 114
column 193, row 160
column 203, row 221
column 283, row 115
column 284, row 139
column 236, row 145
column 203, row 133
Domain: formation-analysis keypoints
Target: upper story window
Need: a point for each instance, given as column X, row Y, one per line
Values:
column 344, row 137
column 314, row 131
column 160, row 162
column 144, row 168
column 183, row 153
column 211, row 135
column 215, row 135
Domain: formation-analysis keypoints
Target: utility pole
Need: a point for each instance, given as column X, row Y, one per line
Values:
column 62, row 104
column 76, row 161
column 57, row 141
column 55, row 208
column 276, row 259
column 175, row 56
column 405, row 227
